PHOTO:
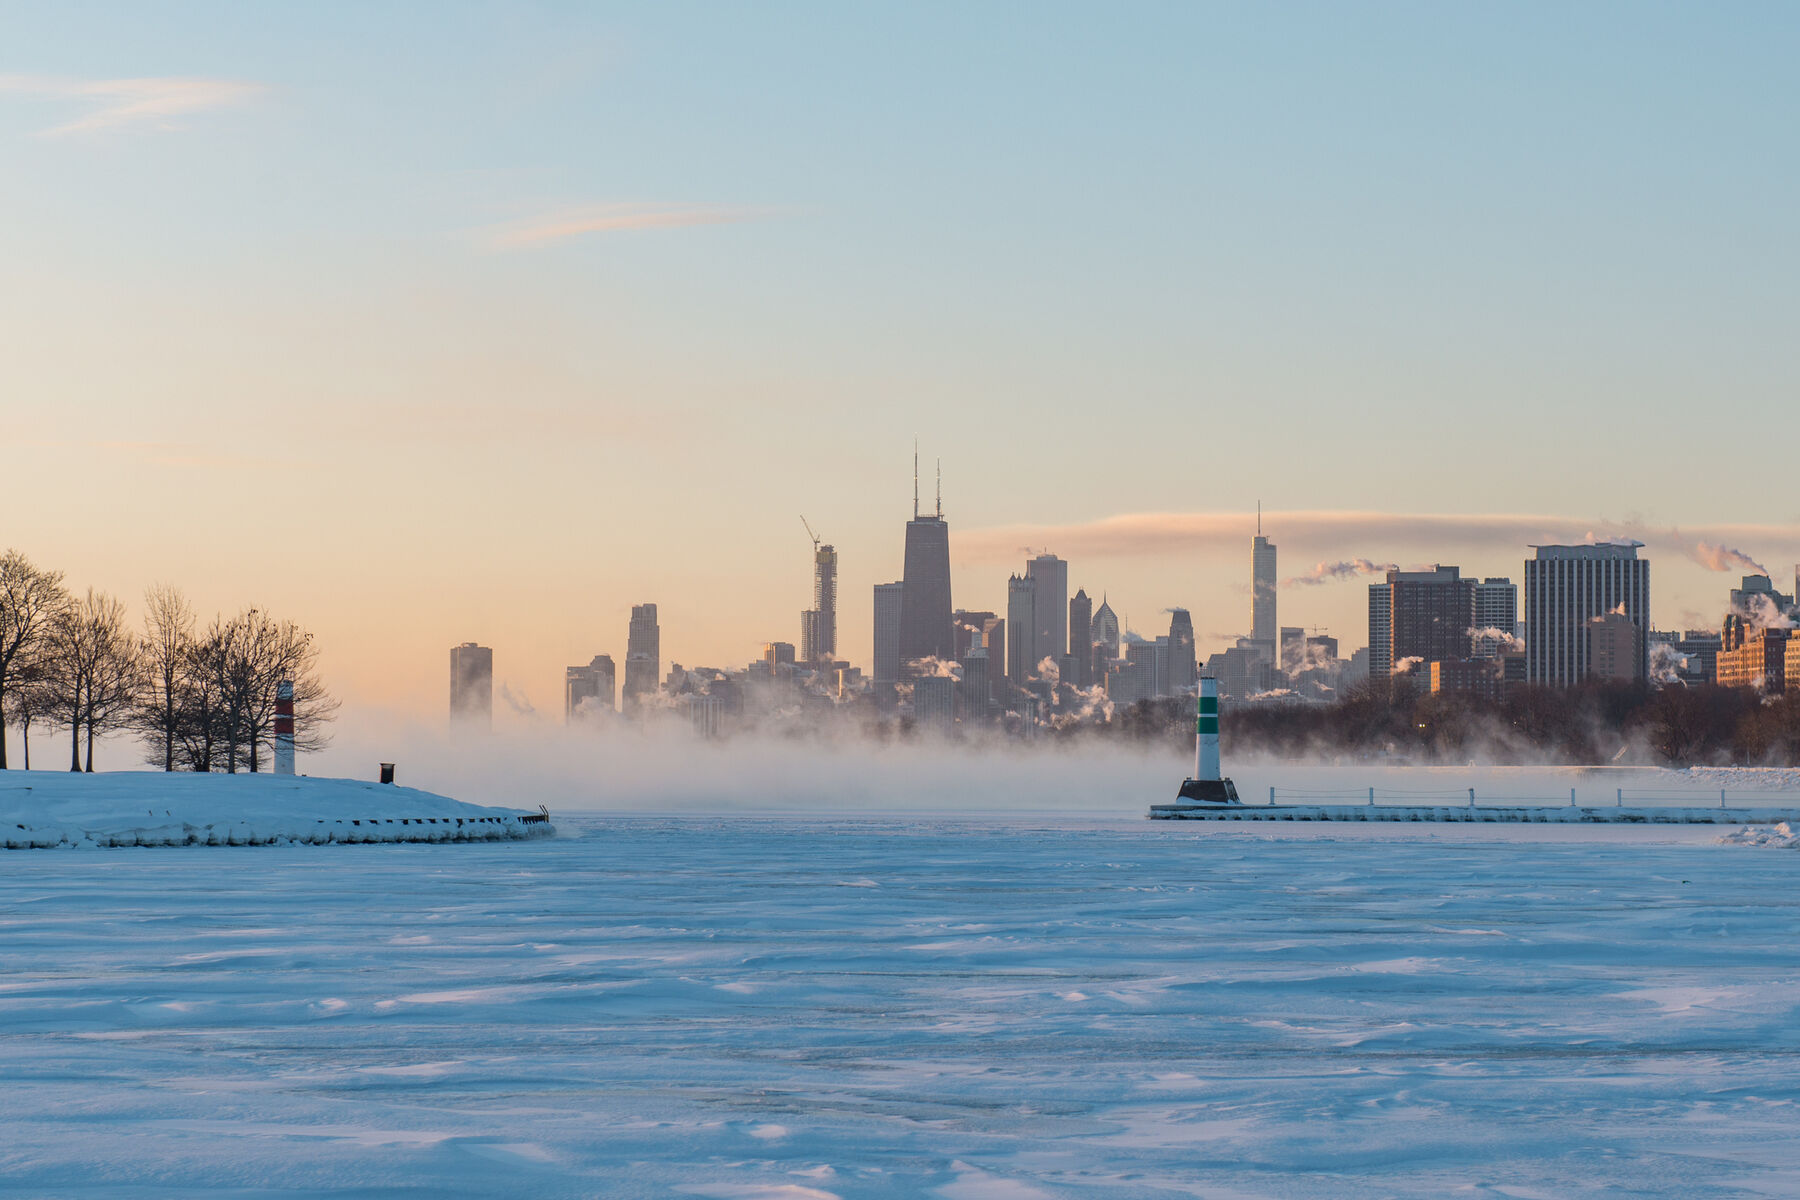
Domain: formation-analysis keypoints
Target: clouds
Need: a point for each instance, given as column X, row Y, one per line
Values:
column 615, row 218
column 118, row 104
column 1326, row 572
column 1151, row 535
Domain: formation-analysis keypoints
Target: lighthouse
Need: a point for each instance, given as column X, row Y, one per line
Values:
column 284, row 727
column 1206, row 786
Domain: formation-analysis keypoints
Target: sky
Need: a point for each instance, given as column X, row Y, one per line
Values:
column 427, row 323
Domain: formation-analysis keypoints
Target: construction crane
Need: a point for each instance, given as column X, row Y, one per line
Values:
column 810, row 533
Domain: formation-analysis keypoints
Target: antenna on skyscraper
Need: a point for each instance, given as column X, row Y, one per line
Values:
column 915, row 479
column 1259, row 518
column 810, row 533
column 940, row 489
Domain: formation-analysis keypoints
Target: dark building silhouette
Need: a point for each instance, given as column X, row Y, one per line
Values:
column 1263, row 629
column 925, row 600
column 588, row 691
column 472, row 684
column 1081, row 648
column 1050, row 612
column 818, row 624
column 1103, row 633
column 1184, row 669
column 1022, row 655
column 643, row 654
column 1418, row 615
column 889, row 607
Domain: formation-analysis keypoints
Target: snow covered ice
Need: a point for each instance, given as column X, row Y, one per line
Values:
column 800, row 1008
column 53, row 809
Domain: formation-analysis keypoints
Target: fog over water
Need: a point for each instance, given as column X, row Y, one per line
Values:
column 628, row 769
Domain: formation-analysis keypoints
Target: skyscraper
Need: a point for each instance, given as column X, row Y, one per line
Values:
column 1022, row 655
column 1103, row 636
column 1184, row 668
column 934, row 705
column 1081, row 644
column 1565, row 587
column 472, row 685
column 818, row 624
column 1263, row 630
column 925, row 602
column 1612, row 647
column 889, row 607
column 1423, row 615
column 1496, row 608
column 1293, row 647
column 1050, row 604
column 588, row 691
column 1381, row 632
column 643, row 654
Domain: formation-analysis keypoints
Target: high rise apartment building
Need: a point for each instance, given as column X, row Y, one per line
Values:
column 1418, row 615
column 934, row 705
column 643, row 654
column 1495, row 607
column 1612, row 648
column 889, row 606
column 588, row 691
column 1022, row 655
column 977, row 680
column 472, row 685
column 1381, row 631
column 1566, row 587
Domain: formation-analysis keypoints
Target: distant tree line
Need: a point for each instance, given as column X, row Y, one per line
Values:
column 1594, row 724
column 201, row 698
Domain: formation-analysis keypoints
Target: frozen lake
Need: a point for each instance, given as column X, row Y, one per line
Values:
column 791, row 1009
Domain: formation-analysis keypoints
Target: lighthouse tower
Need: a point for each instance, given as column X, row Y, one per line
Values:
column 1206, row 786
column 284, row 727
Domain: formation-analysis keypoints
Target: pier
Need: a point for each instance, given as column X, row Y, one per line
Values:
column 1644, row 808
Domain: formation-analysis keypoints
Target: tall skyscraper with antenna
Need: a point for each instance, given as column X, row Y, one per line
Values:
column 925, row 603
column 1263, row 629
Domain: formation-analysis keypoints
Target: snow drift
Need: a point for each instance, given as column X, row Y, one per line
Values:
column 43, row 809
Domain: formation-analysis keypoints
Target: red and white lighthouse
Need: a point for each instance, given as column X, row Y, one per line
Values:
column 284, row 727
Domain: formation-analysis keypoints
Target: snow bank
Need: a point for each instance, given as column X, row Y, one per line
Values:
column 1781, row 837
column 43, row 809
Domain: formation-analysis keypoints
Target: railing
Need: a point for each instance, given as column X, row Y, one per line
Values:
column 1595, row 798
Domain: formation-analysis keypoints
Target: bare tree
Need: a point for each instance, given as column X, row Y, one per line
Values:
column 30, row 600
column 115, row 688
column 168, row 653
column 281, row 651
column 226, row 678
column 202, row 717
column 29, row 700
column 93, row 680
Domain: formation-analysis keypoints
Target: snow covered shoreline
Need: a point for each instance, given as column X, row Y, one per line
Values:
column 50, row 809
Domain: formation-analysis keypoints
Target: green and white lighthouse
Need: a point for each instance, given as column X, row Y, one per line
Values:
column 1206, row 786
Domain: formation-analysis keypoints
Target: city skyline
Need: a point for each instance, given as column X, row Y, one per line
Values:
column 406, row 299
column 1416, row 619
